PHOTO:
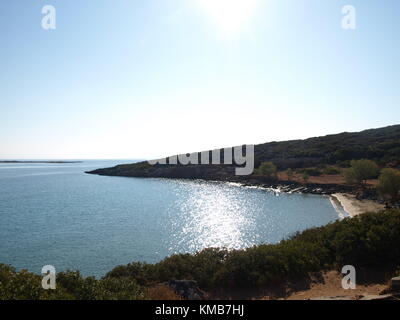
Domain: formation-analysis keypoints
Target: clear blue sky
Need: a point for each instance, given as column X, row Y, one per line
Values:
column 135, row 79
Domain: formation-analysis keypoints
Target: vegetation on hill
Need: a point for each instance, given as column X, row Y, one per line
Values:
column 389, row 184
column 331, row 171
column 362, row 170
column 268, row 170
column 380, row 145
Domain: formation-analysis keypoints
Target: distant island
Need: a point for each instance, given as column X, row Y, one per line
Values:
column 29, row 161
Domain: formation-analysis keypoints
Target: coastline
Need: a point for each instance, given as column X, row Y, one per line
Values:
column 354, row 207
column 342, row 197
column 345, row 203
column 37, row 161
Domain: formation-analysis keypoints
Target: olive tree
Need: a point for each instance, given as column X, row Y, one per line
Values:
column 361, row 170
column 267, row 169
column 389, row 184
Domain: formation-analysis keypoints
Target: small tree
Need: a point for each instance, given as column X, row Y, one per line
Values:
column 331, row 171
column 389, row 184
column 289, row 173
column 361, row 171
column 267, row 169
column 306, row 177
column 349, row 176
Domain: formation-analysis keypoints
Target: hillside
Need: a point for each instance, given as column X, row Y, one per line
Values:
column 381, row 145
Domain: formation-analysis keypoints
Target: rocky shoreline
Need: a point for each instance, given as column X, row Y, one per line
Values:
column 349, row 199
column 295, row 187
column 222, row 174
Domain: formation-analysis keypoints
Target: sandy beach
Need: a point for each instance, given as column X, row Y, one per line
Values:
column 355, row 207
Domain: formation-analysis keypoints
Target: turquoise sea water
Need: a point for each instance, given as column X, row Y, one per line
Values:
column 56, row 214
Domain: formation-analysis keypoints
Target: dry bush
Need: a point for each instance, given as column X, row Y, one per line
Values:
column 162, row 292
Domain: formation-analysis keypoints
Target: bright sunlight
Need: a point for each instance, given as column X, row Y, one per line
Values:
column 229, row 15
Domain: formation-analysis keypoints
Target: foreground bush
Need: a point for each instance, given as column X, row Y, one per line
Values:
column 24, row 285
column 368, row 240
column 162, row 292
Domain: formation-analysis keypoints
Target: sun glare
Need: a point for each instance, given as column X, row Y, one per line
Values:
column 229, row 15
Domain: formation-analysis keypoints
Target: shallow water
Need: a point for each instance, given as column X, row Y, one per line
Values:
column 56, row 214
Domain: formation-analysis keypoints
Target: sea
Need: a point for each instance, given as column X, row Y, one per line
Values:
column 56, row 214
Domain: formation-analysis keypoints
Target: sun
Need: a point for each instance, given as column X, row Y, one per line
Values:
column 229, row 15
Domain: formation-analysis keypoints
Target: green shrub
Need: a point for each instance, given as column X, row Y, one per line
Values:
column 267, row 169
column 70, row 285
column 313, row 172
column 331, row 171
column 389, row 184
column 371, row 239
column 368, row 240
column 361, row 171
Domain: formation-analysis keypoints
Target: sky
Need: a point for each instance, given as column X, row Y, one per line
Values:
column 129, row 79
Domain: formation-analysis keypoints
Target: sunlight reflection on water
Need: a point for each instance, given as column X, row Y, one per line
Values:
column 214, row 215
column 94, row 222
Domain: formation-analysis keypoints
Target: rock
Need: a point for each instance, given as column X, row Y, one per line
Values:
column 187, row 289
column 379, row 297
column 333, row 298
column 395, row 284
column 359, row 297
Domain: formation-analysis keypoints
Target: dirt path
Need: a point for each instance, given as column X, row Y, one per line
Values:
column 331, row 287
